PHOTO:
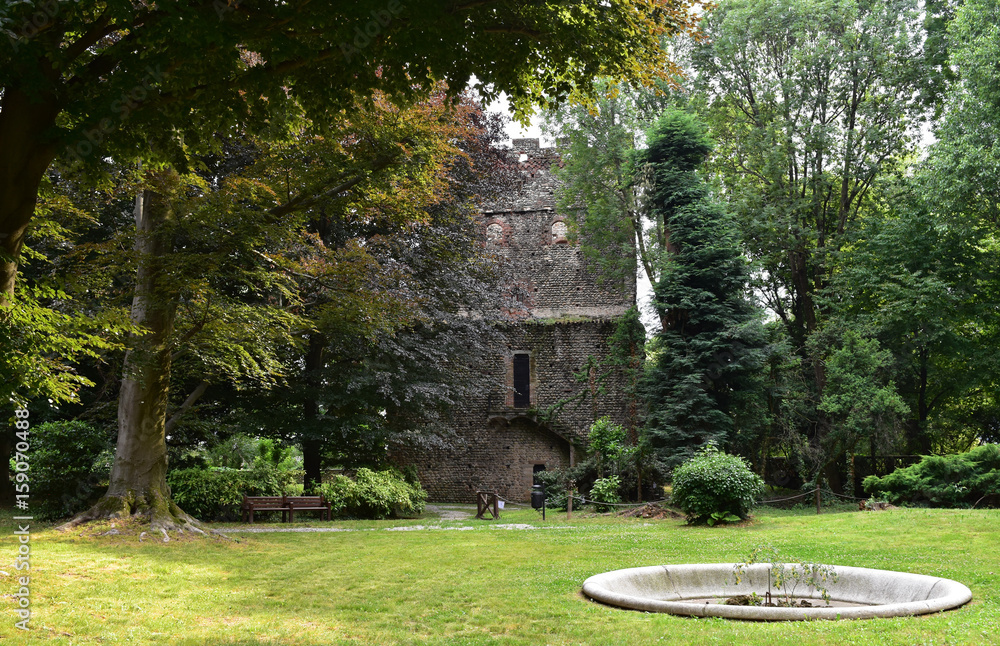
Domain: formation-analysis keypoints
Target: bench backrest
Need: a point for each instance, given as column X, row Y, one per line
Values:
column 262, row 502
column 304, row 500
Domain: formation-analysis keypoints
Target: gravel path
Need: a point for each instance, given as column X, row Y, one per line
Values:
column 436, row 513
column 404, row 528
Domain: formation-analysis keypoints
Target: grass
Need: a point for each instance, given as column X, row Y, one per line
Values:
column 474, row 586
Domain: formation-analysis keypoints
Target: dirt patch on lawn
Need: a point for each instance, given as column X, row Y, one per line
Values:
column 450, row 512
column 651, row 510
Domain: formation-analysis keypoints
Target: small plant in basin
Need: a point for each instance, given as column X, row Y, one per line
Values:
column 785, row 578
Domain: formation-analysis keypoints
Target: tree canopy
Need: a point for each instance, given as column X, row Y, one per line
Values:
column 85, row 80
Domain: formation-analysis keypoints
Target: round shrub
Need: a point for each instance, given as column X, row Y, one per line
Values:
column 605, row 490
column 713, row 482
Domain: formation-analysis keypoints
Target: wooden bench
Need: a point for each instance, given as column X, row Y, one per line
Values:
column 287, row 505
column 264, row 503
column 307, row 503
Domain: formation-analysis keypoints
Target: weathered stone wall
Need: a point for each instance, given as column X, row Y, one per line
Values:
column 568, row 316
column 495, row 444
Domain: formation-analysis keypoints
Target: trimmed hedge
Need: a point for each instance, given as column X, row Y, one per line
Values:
column 713, row 482
column 216, row 493
column 374, row 494
column 960, row 480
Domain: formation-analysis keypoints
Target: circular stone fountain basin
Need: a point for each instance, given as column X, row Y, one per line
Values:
column 701, row 590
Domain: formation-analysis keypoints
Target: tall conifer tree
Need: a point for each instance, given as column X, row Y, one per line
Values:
column 700, row 384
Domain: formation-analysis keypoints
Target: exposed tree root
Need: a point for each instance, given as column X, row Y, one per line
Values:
column 152, row 507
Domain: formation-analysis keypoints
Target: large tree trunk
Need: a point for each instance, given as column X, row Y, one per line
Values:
column 25, row 154
column 24, row 157
column 312, row 447
column 312, row 464
column 138, row 484
column 917, row 441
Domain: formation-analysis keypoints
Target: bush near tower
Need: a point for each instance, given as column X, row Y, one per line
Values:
column 715, row 484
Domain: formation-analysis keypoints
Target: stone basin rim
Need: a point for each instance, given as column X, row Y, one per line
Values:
column 661, row 588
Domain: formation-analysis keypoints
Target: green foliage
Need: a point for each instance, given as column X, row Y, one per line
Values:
column 607, row 439
column 683, row 139
column 549, row 53
column 241, row 451
column 69, row 466
column 216, row 493
column 374, row 494
column 859, row 398
column 47, row 327
column 923, row 282
column 555, row 483
column 712, row 482
column 280, row 456
column 340, row 492
column 42, row 342
column 607, row 443
column 811, row 103
column 919, row 267
column 721, row 518
column 960, row 480
column 605, row 490
column 601, row 169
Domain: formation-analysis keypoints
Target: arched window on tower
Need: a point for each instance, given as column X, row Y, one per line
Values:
column 559, row 231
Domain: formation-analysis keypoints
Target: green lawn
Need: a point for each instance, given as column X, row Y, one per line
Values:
column 475, row 586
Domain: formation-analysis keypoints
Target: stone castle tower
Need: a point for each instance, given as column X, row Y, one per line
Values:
column 506, row 431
